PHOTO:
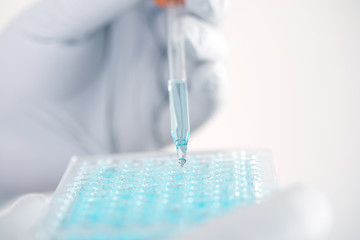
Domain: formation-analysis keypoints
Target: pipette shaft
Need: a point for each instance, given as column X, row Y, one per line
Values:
column 178, row 94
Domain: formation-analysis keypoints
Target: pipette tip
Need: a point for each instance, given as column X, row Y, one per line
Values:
column 181, row 152
column 182, row 162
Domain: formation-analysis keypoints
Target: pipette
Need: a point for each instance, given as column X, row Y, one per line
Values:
column 178, row 94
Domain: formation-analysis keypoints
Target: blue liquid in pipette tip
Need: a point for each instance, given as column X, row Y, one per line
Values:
column 179, row 117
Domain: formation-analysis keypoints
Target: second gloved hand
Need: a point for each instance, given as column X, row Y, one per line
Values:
column 90, row 77
column 298, row 213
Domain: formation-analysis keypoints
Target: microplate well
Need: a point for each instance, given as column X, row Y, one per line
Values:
column 148, row 196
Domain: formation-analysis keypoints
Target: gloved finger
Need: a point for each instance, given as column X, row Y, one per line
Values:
column 209, row 10
column 18, row 219
column 203, row 42
column 299, row 214
column 71, row 19
column 206, row 91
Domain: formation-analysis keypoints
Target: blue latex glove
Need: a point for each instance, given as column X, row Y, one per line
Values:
column 89, row 77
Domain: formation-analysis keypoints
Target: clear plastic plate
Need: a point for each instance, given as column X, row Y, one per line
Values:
column 149, row 196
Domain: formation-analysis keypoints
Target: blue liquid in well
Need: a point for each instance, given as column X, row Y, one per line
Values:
column 179, row 116
column 150, row 199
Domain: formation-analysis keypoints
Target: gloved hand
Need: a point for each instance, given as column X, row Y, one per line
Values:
column 90, row 77
column 298, row 213
column 21, row 218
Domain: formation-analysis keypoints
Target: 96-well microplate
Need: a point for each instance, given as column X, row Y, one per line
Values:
column 148, row 196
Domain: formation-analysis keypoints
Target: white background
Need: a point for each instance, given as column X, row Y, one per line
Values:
column 294, row 69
